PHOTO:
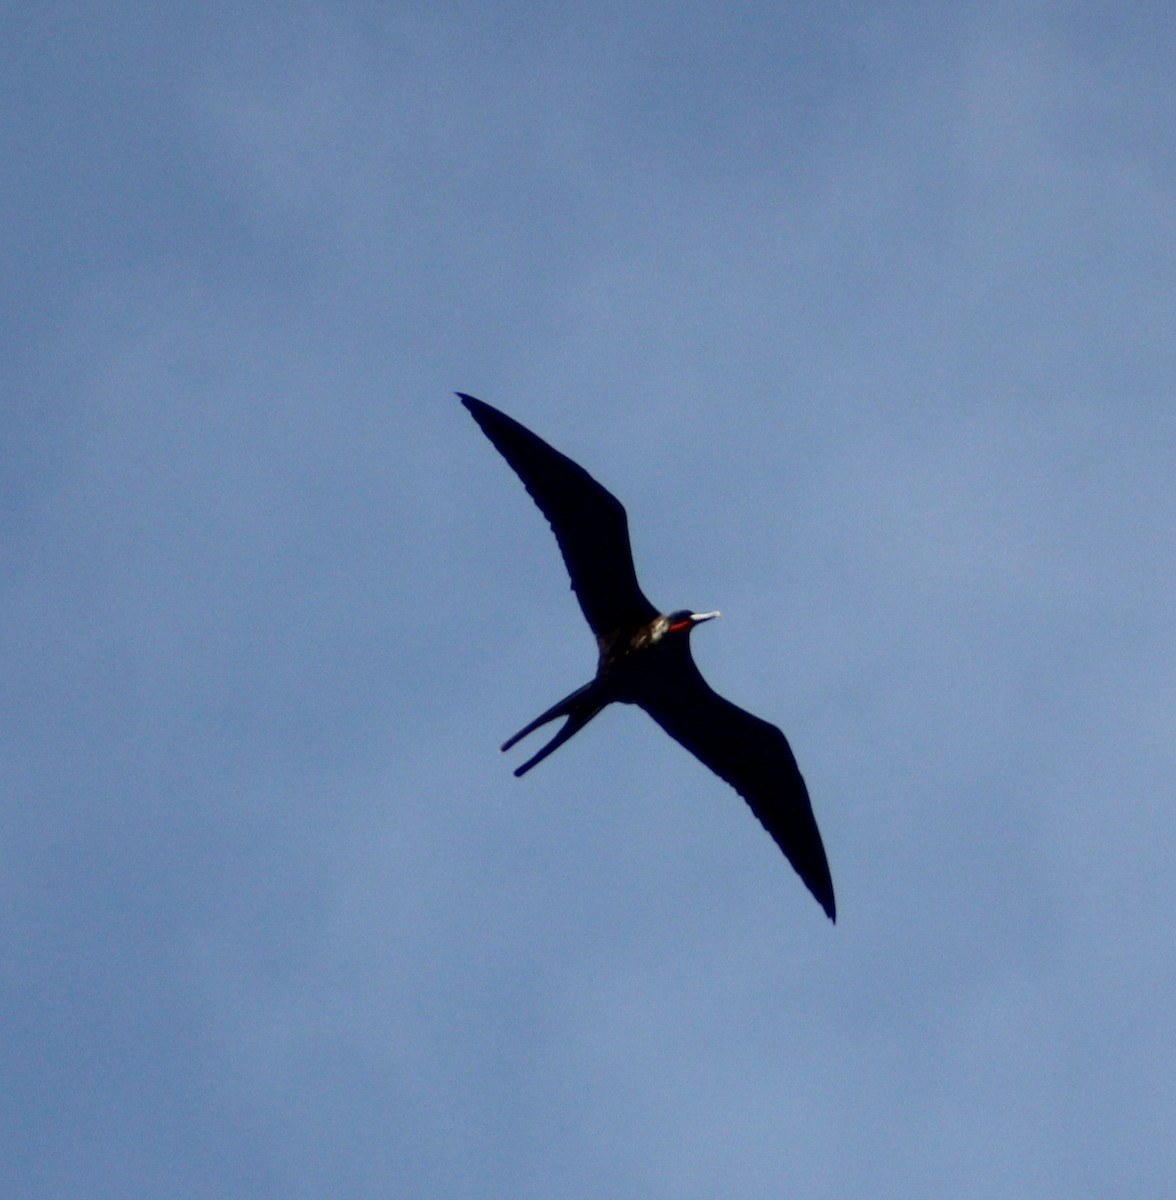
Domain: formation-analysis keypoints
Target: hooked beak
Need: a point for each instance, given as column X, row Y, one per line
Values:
column 687, row 623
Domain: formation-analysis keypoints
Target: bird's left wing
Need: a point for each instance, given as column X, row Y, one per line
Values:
column 750, row 754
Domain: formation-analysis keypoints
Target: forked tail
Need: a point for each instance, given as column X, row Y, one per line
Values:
column 579, row 708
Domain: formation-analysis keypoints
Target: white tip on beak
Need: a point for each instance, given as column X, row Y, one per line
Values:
column 698, row 618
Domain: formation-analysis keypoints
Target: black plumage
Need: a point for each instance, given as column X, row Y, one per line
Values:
column 644, row 655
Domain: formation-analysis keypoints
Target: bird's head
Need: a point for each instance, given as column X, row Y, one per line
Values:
column 683, row 621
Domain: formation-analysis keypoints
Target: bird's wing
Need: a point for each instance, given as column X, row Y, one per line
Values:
column 751, row 755
column 588, row 521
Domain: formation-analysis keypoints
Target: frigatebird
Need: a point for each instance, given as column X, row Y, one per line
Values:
column 645, row 655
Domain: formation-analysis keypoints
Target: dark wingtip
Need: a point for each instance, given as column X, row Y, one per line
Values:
column 824, row 898
column 485, row 415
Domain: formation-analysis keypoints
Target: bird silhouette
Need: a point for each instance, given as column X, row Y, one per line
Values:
column 645, row 655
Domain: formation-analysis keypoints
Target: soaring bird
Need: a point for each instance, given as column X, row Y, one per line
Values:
column 645, row 655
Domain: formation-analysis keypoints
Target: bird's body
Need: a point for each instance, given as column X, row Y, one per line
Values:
column 644, row 655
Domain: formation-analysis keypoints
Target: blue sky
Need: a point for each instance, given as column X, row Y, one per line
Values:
column 865, row 312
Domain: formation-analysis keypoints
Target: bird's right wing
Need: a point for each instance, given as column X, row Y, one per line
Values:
column 588, row 521
column 750, row 754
